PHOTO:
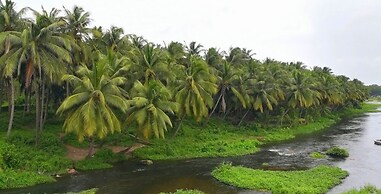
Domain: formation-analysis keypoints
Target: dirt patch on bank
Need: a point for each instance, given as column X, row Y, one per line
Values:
column 75, row 154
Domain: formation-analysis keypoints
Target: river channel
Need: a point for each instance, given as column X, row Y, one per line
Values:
column 356, row 135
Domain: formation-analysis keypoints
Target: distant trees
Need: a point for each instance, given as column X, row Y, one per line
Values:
column 110, row 76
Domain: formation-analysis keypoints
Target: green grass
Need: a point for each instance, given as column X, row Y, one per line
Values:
column 220, row 138
column 317, row 155
column 186, row 191
column 101, row 160
column 337, row 152
column 368, row 189
column 316, row 180
column 17, row 179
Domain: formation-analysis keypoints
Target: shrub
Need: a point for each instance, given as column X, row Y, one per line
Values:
column 337, row 152
column 317, row 155
column 100, row 160
column 51, row 143
column 9, row 157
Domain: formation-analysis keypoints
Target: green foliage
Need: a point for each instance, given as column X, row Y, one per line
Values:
column 337, row 152
column 186, row 191
column 367, row 189
column 220, row 138
column 17, row 178
column 215, row 139
column 317, row 155
column 92, row 164
column 100, row 160
column 316, row 180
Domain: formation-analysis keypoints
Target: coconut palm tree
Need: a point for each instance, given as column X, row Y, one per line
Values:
column 37, row 53
column 89, row 111
column 195, row 90
column 10, row 20
column 150, row 105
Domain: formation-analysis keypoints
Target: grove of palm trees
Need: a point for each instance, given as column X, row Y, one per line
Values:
column 64, row 81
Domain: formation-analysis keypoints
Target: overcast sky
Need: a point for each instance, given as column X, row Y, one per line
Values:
column 342, row 35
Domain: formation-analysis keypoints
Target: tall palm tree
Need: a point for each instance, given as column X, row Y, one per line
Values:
column 150, row 105
column 10, row 20
column 228, row 84
column 37, row 53
column 89, row 111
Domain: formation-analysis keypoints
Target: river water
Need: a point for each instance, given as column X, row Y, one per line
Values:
column 356, row 135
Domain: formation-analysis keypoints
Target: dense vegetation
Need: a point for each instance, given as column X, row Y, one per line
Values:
column 375, row 90
column 102, row 82
column 316, row 180
column 337, row 152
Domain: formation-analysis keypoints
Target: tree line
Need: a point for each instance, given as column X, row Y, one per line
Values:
column 97, row 78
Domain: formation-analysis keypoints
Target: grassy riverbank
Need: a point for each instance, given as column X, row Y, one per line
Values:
column 316, row 180
column 220, row 138
column 22, row 163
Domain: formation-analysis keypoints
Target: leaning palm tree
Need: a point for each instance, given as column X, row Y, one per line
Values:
column 89, row 111
column 150, row 105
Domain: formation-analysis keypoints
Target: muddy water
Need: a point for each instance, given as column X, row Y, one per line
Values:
column 357, row 135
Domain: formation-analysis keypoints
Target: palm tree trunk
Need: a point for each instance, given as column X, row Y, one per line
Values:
column 247, row 112
column 41, row 119
column 214, row 108
column 11, row 105
column 284, row 114
column 178, row 127
column 46, row 107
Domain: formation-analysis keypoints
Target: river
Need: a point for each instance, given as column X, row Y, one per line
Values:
column 356, row 135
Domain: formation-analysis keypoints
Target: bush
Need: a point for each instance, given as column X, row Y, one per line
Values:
column 317, row 155
column 51, row 143
column 337, row 152
column 102, row 159
column 21, row 138
column 9, row 157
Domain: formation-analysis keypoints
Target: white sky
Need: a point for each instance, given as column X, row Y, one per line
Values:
column 342, row 35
